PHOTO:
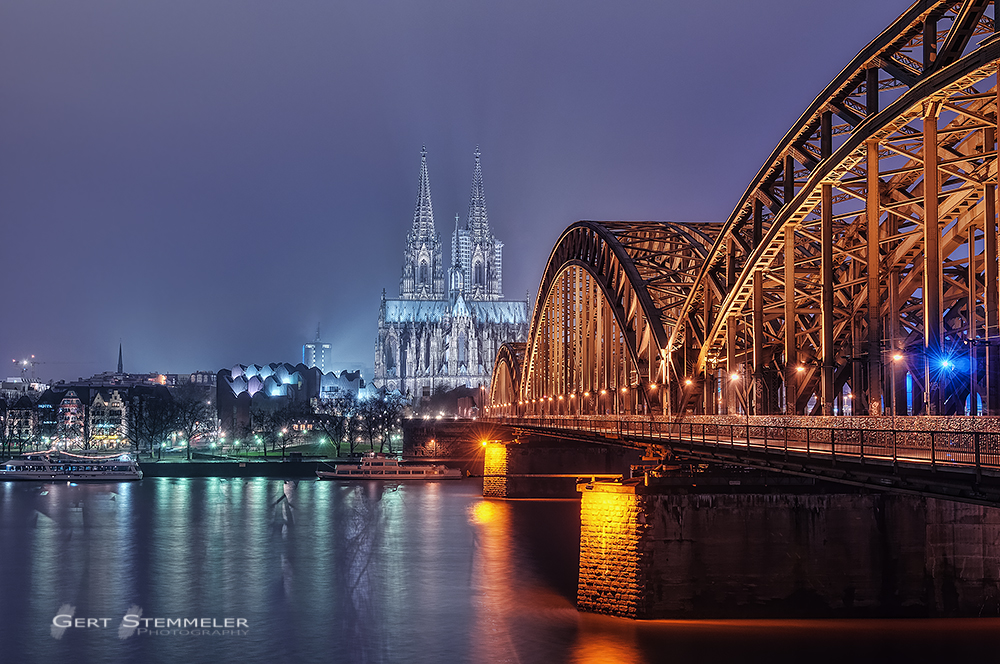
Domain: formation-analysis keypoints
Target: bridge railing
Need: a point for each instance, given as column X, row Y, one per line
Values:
column 970, row 449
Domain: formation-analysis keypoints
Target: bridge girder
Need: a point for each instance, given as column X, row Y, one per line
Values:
column 833, row 262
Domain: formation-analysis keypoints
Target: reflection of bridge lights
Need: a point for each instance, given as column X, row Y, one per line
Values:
column 484, row 512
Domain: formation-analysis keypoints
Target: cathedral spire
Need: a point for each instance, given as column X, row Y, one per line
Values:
column 423, row 214
column 120, row 370
column 423, row 275
column 479, row 224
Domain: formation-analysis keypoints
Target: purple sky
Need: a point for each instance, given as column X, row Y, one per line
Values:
column 206, row 180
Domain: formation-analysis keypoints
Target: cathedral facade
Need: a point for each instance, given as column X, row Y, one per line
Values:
column 444, row 329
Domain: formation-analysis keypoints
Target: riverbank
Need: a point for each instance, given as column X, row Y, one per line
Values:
column 270, row 468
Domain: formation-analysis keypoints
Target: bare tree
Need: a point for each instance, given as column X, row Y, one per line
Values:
column 195, row 416
column 379, row 415
column 151, row 417
column 333, row 417
column 276, row 424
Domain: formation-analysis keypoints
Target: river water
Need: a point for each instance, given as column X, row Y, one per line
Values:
column 263, row 570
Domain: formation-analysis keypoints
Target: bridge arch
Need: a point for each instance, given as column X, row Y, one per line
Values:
column 598, row 329
column 506, row 381
column 834, row 262
column 838, row 283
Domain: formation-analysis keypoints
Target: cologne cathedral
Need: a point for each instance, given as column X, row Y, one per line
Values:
column 445, row 328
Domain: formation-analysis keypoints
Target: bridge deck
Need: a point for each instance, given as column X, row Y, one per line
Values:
column 958, row 465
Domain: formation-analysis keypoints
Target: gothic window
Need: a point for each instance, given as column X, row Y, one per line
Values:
column 390, row 358
column 478, row 279
column 462, row 348
column 423, row 272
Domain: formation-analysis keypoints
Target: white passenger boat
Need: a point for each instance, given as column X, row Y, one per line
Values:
column 59, row 465
column 376, row 467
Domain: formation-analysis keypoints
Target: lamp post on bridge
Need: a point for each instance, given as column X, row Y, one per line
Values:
column 735, row 378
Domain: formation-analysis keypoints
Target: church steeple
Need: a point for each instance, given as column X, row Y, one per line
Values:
column 423, row 214
column 479, row 224
column 423, row 275
column 120, row 368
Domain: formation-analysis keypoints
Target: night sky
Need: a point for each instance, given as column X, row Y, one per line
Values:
column 207, row 180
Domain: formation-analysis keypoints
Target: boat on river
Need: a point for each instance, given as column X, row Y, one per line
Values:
column 60, row 465
column 378, row 467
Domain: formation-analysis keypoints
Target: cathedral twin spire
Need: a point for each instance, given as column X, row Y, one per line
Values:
column 476, row 254
column 478, row 224
column 423, row 215
column 423, row 269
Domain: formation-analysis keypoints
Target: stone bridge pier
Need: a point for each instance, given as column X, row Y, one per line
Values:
column 649, row 552
column 538, row 467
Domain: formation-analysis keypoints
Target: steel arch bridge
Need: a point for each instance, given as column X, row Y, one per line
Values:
column 857, row 273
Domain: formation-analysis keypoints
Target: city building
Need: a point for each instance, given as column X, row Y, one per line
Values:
column 441, row 334
column 108, row 420
column 317, row 353
column 271, row 386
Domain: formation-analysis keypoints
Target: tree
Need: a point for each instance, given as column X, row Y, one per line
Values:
column 151, row 416
column 333, row 417
column 195, row 415
column 379, row 416
column 6, row 439
column 275, row 423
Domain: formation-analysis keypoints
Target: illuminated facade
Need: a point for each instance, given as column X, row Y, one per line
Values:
column 429, row 339
column 108, row 419
column 276, row 384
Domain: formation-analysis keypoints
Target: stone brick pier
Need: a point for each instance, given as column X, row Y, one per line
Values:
column 648, row 552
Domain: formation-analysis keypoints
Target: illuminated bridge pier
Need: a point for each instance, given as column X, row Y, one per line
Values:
column 657, row 552
column 857, row 279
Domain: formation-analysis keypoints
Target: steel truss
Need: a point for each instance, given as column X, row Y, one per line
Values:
column 836, row 276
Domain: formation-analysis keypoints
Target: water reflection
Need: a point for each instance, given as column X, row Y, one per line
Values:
column 359, row 572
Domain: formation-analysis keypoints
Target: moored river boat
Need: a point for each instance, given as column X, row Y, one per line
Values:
column 61, row 465
column 377, row 467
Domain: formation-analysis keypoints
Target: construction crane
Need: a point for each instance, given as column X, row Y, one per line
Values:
column 24, row 367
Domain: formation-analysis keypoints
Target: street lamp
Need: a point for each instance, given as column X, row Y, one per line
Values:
column 734, row 377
